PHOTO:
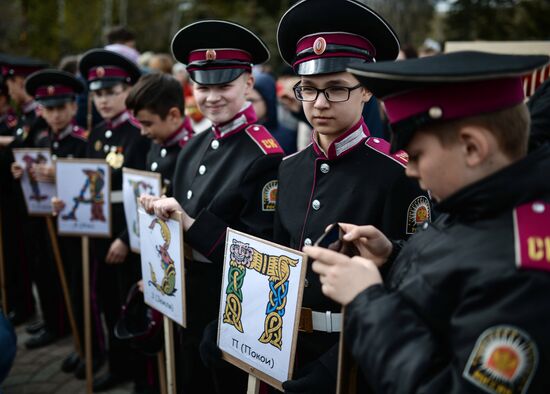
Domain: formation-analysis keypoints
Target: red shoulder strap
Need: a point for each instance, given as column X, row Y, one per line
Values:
column 80, row 133
column 382, row 146
column 532, row 235
column 263, row 138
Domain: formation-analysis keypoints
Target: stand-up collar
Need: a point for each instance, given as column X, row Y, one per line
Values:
column 353, row 137
column 63, row 133
column 118, row 120
column 181, row 136
column 239, row 122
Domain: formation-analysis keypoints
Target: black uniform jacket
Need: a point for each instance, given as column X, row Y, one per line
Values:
column 227, row 177
column 460, row 311
column 356, row 181
column 163, row 158
column 120, row 143
column 70, row 142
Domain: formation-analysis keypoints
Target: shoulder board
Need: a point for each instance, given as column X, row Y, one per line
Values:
column 263, row 138
column 43, row 134
column 532, row 235
column 382, row 146
column 80, row 133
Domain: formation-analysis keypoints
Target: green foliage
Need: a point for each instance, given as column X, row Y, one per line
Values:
column 498, row 20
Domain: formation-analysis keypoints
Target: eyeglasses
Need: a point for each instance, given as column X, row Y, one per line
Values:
column 334, row 94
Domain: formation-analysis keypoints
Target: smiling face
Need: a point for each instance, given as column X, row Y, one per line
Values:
column 110, row 101
column 220, row 103
column 60, row 116
column 329, row 118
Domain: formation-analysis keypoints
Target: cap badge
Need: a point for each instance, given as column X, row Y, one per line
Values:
column 51, row 90
column 319, row 46
column 210, row 54
column 100, row 72
column 435, row 113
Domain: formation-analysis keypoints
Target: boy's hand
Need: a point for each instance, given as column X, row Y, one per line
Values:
column 57, row 205
column 117, row 252
column 342, row 277
column 16, row 170
column 147, row 202
column 44, row 173
column 371, row 243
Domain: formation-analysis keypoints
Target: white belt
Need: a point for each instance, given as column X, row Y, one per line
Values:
column 327, row 321
column 116, row 197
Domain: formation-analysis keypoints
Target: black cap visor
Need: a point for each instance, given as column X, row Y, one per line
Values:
column 56, row 101
column 326, row 65
column 106, row 83
column 216, row 76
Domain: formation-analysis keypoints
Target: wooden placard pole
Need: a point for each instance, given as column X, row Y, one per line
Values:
column 253, row 385
column 170, row 356
column 87, row 313
column 64, row 287
column 346, row 382
column 2, row 271
column 162, row 372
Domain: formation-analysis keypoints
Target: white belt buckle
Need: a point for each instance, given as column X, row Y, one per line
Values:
column 328, row 316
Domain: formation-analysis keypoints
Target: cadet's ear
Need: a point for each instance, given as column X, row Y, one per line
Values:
column 249, row 82
column 476, row 144
column 367, row 94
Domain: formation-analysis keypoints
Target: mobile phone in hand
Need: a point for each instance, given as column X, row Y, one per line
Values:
column 331, row 239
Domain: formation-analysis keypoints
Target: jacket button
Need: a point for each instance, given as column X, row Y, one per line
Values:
column 54, row 157
column 163, row 152
column 425, row 225
column 154, row 166
column 202, row 169
column 376, row 140
column 215, row 144
column 538, row 207
column 189, row 194
column 307, row 242
column 55, row 145
column 325, row 168
column 106, row 148
column 108, row 134
column 316, row 204
column 306, row 282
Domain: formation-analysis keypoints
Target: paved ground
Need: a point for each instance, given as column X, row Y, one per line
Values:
column 38, row 371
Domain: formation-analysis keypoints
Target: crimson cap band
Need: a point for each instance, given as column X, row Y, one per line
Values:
column 103, row 69
column 217, row 52
column 53, row 87
column 12, row 66
column 325, row 36
column 423, row 91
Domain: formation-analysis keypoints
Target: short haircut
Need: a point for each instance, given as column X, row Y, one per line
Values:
column 510, row 127
column 157, row 93
column 120, row 35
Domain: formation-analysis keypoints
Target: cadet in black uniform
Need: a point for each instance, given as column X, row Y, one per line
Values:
column 465, row 306
column 157, row 103
column 224, row 177
column 56, row 93
column 117, row 140
column 17, row 255
column 344, row 175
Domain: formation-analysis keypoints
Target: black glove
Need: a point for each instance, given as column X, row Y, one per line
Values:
column 209, row 351
column 314, row 378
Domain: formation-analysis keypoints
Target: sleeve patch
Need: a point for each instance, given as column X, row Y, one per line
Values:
column 504, row 360
column 418, row 213
column 532, row 236
column 269, row 196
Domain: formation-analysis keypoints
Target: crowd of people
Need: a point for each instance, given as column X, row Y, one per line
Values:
column 438, row 148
